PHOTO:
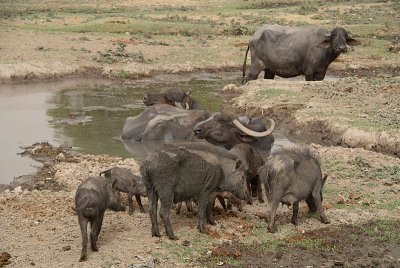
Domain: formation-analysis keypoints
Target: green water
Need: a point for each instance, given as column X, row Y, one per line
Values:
column 90, row 117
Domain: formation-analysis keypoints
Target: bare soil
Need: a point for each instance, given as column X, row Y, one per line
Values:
column 352, row 122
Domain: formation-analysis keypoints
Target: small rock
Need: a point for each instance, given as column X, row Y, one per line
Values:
column 185, row 243
column 66, row 248
column 18, row 190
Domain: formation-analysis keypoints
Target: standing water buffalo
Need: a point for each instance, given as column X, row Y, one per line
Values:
column 127, row 182
column 174, row 96
column 289, row 176
column 228, row 130
column 92, row 198
column 175, row 174
column 292, row 51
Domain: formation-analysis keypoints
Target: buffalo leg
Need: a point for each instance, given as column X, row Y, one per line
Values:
column 83, row 222
column 166, row 205
column 95, row 231
column 268, row 74
column 309, row 77
column 139, row 201
column 255, row 69
column 295, row 212
column 153, row 207
column 130, row 202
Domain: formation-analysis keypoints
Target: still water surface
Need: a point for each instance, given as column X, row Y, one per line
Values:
column 85, row 113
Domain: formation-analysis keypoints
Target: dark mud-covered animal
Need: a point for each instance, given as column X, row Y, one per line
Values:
column 127, row 182
column 291, row 51
column 228, row 130
column 175, row 175
column 162, row 122
column 173, row 96
column 290, row 175
column 252, row 159
column 92, row 198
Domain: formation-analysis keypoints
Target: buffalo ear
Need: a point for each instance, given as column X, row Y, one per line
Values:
column 325, row 43
column 353, row 42
column 245, row 138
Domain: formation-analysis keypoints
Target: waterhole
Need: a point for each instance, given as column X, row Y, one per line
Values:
column 87, row 114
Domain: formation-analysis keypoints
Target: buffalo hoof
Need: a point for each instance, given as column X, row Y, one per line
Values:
column 173, row 237
column 272, row 229
column 142, row 210
column 293, row 221
column 155, row 234
column 130, row 212
column 82, row 258
column 325, row 220
column 95, row 248
column 261, row 200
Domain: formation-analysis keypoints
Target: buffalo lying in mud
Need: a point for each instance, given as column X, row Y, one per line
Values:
column 290, row 175
column 162, row 122
column 165, row 174
column 291, row 51
column 228, row 130
column 174, row 96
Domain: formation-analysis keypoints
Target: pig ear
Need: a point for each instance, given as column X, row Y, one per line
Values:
column 114, row 184
column 241, row 166
column 324, row 180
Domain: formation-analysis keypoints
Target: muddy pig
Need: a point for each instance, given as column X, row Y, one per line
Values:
column 175, row 174
column 290, row 175
column 92, row 198
column 129, row 183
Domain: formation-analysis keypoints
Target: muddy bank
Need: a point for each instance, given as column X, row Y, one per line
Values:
column 349, row 112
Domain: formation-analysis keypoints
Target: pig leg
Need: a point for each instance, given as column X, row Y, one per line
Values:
column 311, row 204
column 295, row 212
column 95, row 231
column 318, row 203
column 83, row 221
column 130, row 202
column 166, row 205
column 272, row 213
column 178, row 208
column 209, row 213
column 259, row 190
column 203, row 202
column 139, row 201
column 153, row 207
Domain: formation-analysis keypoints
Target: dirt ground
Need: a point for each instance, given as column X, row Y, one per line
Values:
column 352, row 121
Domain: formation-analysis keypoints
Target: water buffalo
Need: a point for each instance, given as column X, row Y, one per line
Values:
column 291, row 51
column 176, row 174
column 290, row 175
column 162, row 122
column 173, row 96
column 228, row 130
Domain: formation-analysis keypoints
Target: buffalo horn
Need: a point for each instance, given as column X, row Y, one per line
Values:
column 252, row 132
